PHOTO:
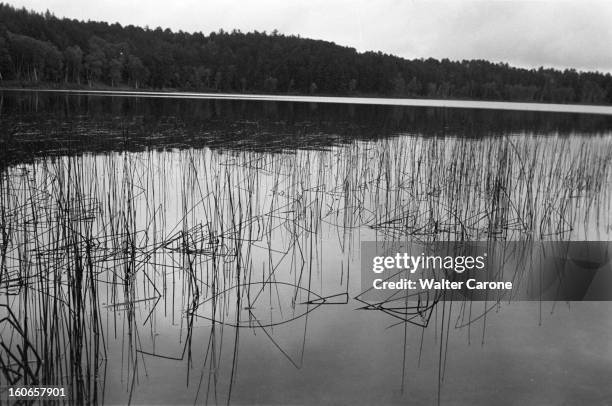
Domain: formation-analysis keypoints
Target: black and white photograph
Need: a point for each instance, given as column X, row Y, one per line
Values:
column 316, row 202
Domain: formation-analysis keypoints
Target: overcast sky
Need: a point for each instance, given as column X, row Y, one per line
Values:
column 523, row 33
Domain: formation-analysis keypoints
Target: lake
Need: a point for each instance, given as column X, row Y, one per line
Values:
column 159, row 249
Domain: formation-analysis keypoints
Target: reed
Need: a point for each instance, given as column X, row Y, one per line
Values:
column 102, row 253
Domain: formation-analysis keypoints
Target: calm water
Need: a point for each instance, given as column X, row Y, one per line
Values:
column 168, row 250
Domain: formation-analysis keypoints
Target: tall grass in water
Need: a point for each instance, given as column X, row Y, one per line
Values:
column 105, row 256
column 52, row 332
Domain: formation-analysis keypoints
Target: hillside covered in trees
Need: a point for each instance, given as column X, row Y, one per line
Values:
column 43, row 50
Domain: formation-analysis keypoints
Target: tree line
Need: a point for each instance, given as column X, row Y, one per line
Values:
column 42, row 49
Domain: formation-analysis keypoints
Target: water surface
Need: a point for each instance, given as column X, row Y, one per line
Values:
column 172, row 250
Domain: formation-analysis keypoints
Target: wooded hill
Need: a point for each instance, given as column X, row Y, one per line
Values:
column 42, row 50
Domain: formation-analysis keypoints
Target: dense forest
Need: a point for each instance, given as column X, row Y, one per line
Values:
column 43, row 50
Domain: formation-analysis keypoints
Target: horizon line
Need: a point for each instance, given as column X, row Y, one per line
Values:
column 382, row 101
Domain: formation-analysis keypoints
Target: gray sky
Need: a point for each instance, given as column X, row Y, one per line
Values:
column 523, row 33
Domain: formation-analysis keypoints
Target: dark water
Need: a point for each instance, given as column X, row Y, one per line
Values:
column 179, row 251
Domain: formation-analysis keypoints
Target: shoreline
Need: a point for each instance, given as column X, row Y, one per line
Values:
column 361, row 100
